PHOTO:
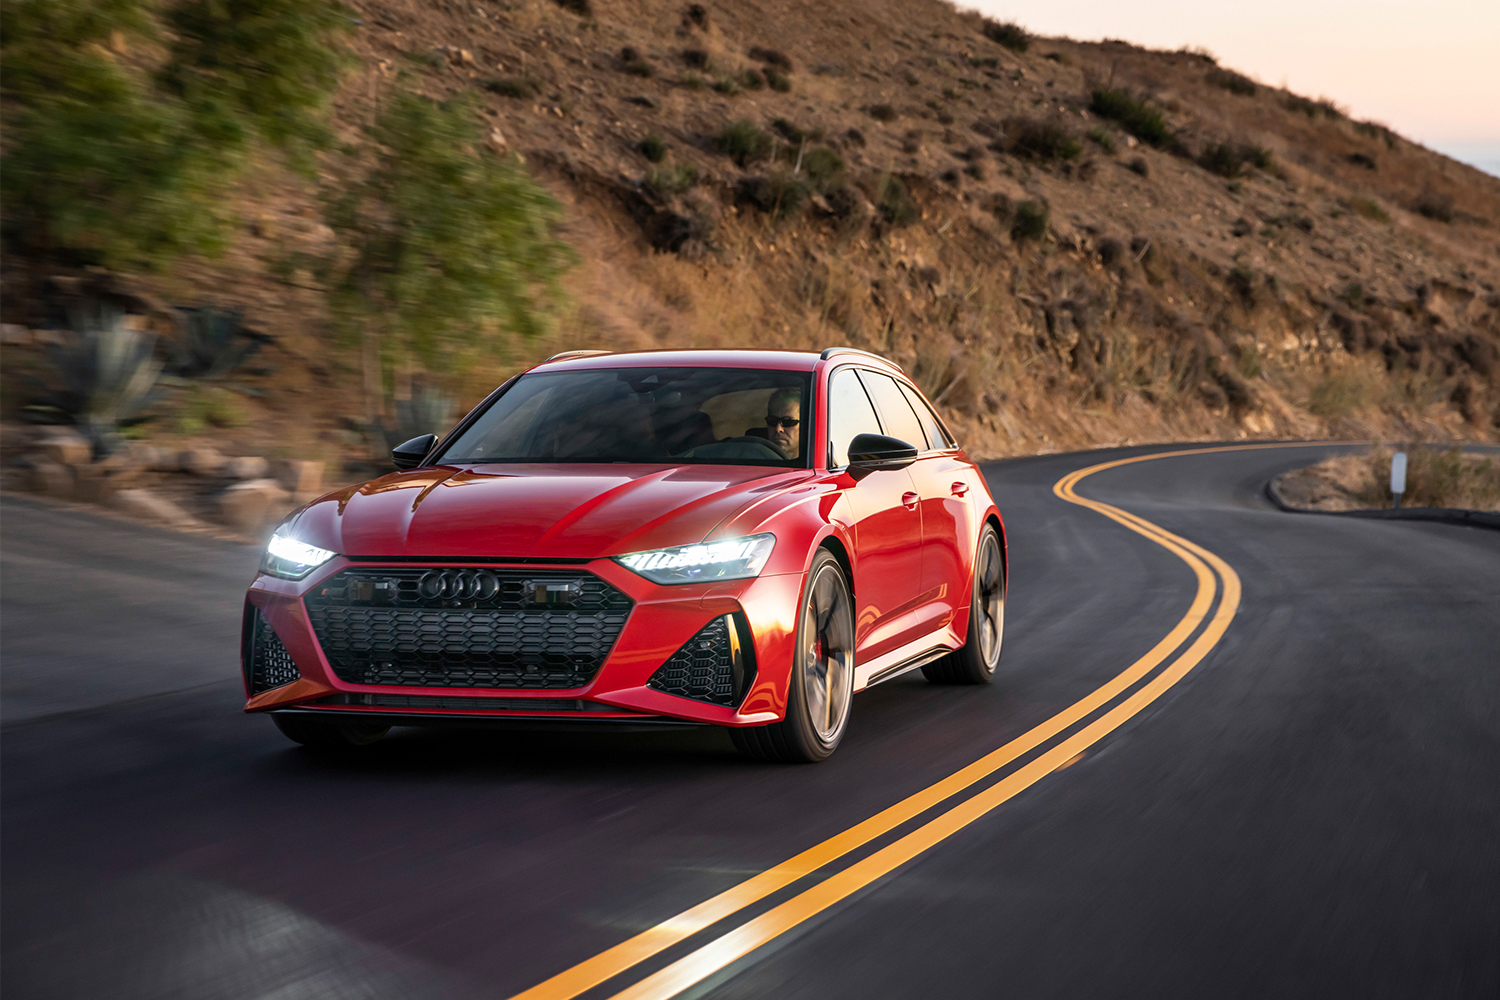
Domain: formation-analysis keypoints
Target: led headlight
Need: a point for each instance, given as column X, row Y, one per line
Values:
column 292, row 560
column 730, row 559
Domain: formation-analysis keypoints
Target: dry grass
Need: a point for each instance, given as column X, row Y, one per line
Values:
column 1435, row 477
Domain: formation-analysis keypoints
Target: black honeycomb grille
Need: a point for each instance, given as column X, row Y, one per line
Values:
column 270, row 665
column 466, row 627
column 716, row 665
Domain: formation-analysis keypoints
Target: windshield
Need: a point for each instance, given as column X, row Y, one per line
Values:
column 701, row 416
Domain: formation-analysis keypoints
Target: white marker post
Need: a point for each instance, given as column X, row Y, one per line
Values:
column 1398, row 479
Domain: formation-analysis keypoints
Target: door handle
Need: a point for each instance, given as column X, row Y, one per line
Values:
column 959, row 489
column 909, row 500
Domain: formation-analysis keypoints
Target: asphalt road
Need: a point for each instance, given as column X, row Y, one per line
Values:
column 1313, row 810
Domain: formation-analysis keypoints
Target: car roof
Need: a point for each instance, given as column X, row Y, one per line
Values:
column 707, row 358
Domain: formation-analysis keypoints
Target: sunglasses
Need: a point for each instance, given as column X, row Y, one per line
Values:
column 787, row 422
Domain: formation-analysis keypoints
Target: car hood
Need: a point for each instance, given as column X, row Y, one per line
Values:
column 534, row 511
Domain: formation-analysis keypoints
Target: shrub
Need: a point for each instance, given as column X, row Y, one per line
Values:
column 675, row 179
column 1220, row 158
column 1030, row 221
column 894, row 202
column 451, row 244
column 726, row 85
column 753, row 79
column 1312, row 109
column 1008, row 34
column 777, row 80
column 696, row 58
column 512, row 86
column 789, row 131
column 654, row 148
column 692, row 81
column 1103, row 138
column 1229, row 161
column 1354, row 295
column 697, row 14
column 583, row 8
column 882, row 112
column 1232, row 82
column 1040, row 140
column 1135, row 116
column 855, row 137
column 771, row 57
column 1435, row 206
column 1370, row 209
column 115, row 165
column 743, row 142
column 638, row 67
column 1362, row 160
column 781, row 194
column 1340, row 394
column 1242, row 281
column 823, row 166
column 108, row 374
column 1375, row 130
column 213, row 341
column 1138, row 165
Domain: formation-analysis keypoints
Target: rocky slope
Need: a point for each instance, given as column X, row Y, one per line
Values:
column 1256, row 265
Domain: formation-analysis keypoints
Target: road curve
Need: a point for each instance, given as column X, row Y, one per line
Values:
column 1309, row 807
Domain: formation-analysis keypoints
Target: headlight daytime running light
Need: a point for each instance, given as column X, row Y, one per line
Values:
column 730, row 559
column 292, row 560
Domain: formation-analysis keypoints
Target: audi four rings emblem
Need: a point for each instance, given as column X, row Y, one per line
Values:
column 459, row 585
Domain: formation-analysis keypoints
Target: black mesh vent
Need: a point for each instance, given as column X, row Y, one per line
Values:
column 269, row 664
column 716, row 665
column 466, row 627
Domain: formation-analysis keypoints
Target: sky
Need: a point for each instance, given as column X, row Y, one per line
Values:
column 1429, row 69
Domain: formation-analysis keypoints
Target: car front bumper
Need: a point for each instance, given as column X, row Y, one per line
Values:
column 662, row 620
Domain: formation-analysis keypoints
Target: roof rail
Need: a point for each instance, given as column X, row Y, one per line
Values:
column 830, row 352
column 565, row 355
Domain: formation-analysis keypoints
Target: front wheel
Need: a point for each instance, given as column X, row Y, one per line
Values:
column 821, row 686
column 975, row 663
column 328, row 734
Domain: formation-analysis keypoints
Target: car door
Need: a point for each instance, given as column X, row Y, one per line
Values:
column 885, row 509
column 942, row 484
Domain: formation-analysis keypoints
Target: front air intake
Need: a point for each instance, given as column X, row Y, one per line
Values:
column 267, row 664
column 716, row 665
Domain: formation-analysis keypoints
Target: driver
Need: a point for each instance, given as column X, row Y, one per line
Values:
column 784, row 421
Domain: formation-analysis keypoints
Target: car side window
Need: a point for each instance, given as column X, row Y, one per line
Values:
column 895, row 412
column 936, row 439
column 849, row 414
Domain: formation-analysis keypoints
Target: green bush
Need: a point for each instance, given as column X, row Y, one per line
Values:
column 522, row 87
column 1103, row 138
column 109, row 162
column 1232, row 82
column 743, row 142
column 1029, row 222
column 675, row 179
column 450, row 241
column 1369, row 209
column 1040, row 140
column 654, row 148
column 823, row 166
column 1135, row 116
column 777, row 80
column 894, row 202
column 1008, row 34
column 1220, row 158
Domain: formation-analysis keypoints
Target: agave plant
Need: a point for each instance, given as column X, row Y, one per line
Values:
column 213, row 342
column 108, row 371
column 428, row 411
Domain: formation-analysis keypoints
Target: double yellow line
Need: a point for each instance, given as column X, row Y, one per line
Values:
column 1215, row 580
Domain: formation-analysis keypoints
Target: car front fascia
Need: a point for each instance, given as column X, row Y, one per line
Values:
column 663, row 619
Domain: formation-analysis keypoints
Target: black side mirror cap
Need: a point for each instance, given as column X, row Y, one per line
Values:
column 409, row 454
column 870, row 452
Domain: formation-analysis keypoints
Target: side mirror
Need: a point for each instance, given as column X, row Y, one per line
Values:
column 409, row 454
column 870, row 452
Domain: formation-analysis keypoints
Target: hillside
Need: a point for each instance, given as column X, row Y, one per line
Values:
column 886, row 175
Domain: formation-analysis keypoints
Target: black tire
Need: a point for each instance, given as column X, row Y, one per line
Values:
column 328, row 734
column 823, row 662
column 975, row 663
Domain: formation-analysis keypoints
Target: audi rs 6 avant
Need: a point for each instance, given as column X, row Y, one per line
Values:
column 732, row 538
